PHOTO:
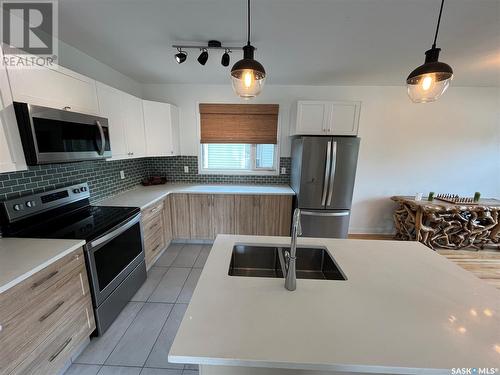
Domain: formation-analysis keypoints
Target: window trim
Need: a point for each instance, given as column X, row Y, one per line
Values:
column 238, row 172
column 264, row 172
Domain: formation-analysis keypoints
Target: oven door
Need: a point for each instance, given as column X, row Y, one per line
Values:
column 113, row 256
column 52, row 135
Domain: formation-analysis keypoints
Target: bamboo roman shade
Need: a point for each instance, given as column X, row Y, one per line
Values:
column 239, row 123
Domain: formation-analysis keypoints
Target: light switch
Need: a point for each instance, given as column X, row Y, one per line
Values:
column 122, row 175
column 283, row 170
column 186, row 169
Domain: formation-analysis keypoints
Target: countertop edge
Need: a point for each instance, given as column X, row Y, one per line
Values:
column 372, row 369
column 40, row 267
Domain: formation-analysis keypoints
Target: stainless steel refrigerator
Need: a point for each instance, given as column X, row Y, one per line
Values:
column 323, row 174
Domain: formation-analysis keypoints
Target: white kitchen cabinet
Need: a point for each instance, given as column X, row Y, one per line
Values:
column 161, row 123
column 11, row 149
column 134, row 125
column 315, row 117
column 55, row 87
column 126, row 122
column 110, row 106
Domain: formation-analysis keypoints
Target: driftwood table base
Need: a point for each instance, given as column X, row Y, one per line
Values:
column 445, row 225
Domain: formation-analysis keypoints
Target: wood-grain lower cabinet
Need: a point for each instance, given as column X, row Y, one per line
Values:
column 200, row 216
column 244, row 214
column 180, row 216
column 167, row 219
column 222, row 214
column 45, row 318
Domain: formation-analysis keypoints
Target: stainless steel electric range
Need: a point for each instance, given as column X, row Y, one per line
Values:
column 114, row 251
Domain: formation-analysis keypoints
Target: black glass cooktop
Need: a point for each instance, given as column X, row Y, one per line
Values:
column 86, row 223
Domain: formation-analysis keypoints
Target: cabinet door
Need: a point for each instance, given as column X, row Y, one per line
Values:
column 267, row 215
column 312, row 117
column 158, row 126
column 175, row 143
column 167, row 220
column 111, row 107
column 180, row 216
column 56, row 87
column 285, row 215
column 134, row 125
column 244, row 214
column 222, row 214
column 344, row 118
column 200, row 215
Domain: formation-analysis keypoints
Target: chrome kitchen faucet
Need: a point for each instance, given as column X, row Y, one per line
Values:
column 290, row 257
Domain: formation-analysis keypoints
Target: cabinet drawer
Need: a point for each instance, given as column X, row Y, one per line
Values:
column 23, row 332
column 52, row 354
column 18, row 297
column 152, row 211
column 153, row 245
column 151, row 226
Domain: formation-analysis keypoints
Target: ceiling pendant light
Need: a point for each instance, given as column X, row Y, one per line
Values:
column 248, row 75
column 430, row 80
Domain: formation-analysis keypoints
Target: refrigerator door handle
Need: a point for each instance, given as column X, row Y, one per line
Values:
column 332, row 172
column 316, row 213
column 327, row 170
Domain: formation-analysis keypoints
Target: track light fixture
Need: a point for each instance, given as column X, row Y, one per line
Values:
column 225, row 57
column 430, row 80
column 202, row 59
column 181, row 56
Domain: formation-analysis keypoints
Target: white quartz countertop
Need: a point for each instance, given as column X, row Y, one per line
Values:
column 403, row 309
column 143, row 196
column 22, row 257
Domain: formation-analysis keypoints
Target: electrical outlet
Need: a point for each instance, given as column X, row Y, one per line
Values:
column 283, row 170
column 186, row 169
column 122, row 175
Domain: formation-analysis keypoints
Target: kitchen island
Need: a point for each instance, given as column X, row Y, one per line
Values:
column 403, row 309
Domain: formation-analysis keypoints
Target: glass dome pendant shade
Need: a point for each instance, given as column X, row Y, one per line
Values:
column 248, row 75
column 430, row 80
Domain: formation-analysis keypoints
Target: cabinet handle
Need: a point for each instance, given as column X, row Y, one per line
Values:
column 54, row 309
column 46, row 278
column 1, row 328
column 154, row 210
column 67, row 108
column 63, row 346
column 155, row 248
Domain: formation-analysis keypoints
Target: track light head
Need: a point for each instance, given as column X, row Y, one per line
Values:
column 181, row 56
column 202, row 59
column 225, row 58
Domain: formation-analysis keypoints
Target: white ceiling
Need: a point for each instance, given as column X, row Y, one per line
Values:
column 302, row 42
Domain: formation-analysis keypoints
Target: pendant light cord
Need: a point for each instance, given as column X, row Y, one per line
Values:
column 248, row 22
column 437, row 27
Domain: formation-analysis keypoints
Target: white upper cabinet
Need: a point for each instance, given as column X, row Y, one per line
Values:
column 126, row 122
column 326, row 118
column 161, row 122
column 110, row 106
column 55, row 87
column 11, row 149
column 134, row 125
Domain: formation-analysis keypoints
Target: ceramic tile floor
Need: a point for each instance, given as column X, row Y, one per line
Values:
column 140, row 338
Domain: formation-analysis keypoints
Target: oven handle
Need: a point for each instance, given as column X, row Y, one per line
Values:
column 111, row 235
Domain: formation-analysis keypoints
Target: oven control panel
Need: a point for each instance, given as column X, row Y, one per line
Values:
column 20, row 208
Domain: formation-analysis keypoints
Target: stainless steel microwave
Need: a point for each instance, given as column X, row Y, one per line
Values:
column 53, row 135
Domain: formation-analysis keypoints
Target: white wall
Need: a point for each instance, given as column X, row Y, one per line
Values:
column 452, row 145
column 80, row 62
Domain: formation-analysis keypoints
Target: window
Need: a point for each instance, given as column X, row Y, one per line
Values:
column 238, row 158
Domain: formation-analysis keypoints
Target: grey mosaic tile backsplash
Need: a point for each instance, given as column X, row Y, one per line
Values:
column 173, row 168
column 104, row 176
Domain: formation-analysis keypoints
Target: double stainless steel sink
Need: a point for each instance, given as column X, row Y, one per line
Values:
column 268, row 261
